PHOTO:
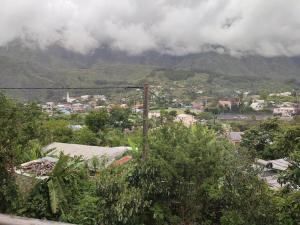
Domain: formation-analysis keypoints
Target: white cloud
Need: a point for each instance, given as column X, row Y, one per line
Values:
column 268, row 28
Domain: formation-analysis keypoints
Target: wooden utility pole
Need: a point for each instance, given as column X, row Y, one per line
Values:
column 145, row 122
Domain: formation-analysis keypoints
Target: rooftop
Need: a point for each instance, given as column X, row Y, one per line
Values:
column 86, row 151
column 235, row 136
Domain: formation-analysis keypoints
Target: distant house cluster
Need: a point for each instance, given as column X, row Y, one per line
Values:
column 79, row 104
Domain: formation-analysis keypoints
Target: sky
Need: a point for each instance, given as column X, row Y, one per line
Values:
column 178, row 27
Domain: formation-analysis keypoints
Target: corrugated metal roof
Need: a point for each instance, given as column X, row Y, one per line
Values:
column 86, row 151
column 280, row 164
column 271, row 169
column 13, row 220
column 236, row 136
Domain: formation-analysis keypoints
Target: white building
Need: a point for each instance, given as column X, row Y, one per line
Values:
column 48, row 107
column 100, row 97
column 154, row 115
column 68, row 99
column 85, row 97
column 75, row 127
column 257, row 106
column 186, row 119
column 285, row 111
column 284, row 94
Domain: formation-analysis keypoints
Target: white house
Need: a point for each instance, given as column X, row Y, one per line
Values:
column 100, row 97
column 75, row 127
column 48, row 107
column 284, row 94
column 154, row 115
column 85, row 97
column 257, row 106
column 285, row 111
column 186, row 119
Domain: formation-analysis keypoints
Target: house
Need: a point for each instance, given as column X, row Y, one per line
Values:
column 235, row 137
column 257, row 106
column 288, row 104
column 29, row 173
column 78, row 107
column 138, row 108
column 199, row 107
column 186, row 119
column 124, row 106
column 154, row 115
column 64, row 111
column 225, row 103
column 285, row 111
column 41, row 167
column 75, row 127
column 48, row 107
column 270, row 169
column 100, row 98
column 284, row 94
column 85, row 97
column 86, row 151
column 37, row 168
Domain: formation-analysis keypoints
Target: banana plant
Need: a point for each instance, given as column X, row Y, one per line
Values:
column 63, row 175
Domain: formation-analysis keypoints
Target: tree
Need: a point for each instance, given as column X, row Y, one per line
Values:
column 19, row 127
column 288, row 208
column 56, row 130
column 112, row 137
column 85, row 136
column 259, row 139
column 291, row 177
column 97, row 120
column 190, row 177
column 120, row 118
column 287, row 141
column 167, row 116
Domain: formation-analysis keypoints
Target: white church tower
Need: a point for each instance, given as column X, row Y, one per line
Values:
column 68, row 98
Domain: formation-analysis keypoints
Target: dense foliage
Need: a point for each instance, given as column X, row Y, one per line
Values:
column 272, row 139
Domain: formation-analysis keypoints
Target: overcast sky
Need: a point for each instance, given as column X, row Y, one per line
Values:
column 265, row 27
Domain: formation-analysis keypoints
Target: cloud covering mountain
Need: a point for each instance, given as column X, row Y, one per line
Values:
column 268, row 28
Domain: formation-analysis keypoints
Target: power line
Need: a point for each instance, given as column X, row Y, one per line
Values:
column 71, row 88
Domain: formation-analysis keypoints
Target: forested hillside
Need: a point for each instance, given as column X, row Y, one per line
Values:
column 23, row 66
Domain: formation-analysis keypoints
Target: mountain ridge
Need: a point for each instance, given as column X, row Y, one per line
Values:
column 22, row 66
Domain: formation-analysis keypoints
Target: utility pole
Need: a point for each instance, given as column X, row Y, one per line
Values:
column 298, row 100
column 145, row 122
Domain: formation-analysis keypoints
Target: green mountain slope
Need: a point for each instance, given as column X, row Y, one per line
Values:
column 55, row 67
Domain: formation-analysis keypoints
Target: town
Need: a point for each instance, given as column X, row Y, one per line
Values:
column 161, row 112
column 245, row 106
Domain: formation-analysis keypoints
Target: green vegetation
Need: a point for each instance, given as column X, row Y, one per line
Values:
column 272, row 139
column 192, row 175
